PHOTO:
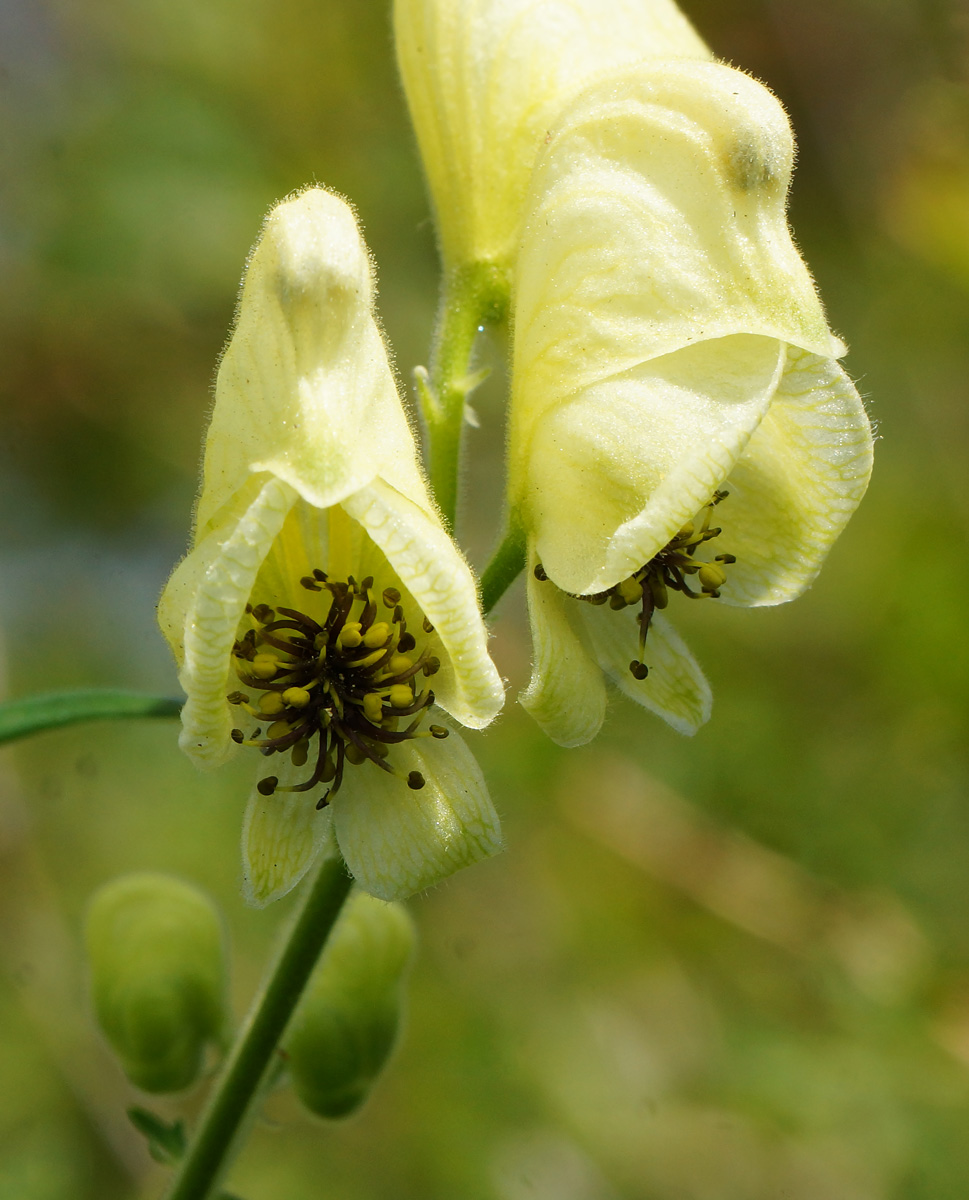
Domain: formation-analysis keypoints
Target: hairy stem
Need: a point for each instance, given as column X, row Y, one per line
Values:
column 474, row 296
column 238, row 1085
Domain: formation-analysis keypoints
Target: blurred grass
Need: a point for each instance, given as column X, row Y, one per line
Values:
column 730, row 968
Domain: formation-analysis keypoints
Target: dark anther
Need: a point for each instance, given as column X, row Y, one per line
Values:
column 237, row 736
column 540, row 573
column 327, row 677
column 667, row 571
column 323, row 802
column 237, row 698
column 427, row 626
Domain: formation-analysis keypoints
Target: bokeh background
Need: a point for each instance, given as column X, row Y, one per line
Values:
column 730, row 968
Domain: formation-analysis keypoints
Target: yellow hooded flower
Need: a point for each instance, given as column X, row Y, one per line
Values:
column 669, row 348
column 485, row 79
column 321, row 593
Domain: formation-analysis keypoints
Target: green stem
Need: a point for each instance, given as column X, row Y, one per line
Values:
column 507, row 563
column 239, row 1083
column 474, row 295
column 34, row 714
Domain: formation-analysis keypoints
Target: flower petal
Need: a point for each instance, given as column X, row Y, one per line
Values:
column 432, row 569
column 397, row 841
column 675, row 689
column 656, row 218
column 282, row 835
column 618, row 468
column 485, row 78
column 800, row 478
column 566, row 694
column 305, row 390
column 214, row 581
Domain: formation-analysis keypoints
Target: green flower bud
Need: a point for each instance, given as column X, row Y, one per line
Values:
column 157, row 961
column 347, row 1022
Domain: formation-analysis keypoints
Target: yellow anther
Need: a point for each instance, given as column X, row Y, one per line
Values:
column 350, row 637
column 296, row 697
column 264, row 666
column 373, row 707
column 354, row 754
column 630, row 590
column 399, row 664
column 401, row 695
column 376, row 635
column 271, row 703
column 711, row 577
column 278, row 729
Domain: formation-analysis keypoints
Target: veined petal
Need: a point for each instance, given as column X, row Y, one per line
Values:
column 675, row 689
column 793, row 489
column 614, row 471
column 397, row 841
column 485, row 79
column 655, row 219
column 566, row 694
column 282, row 835
column 214, row 583
column 430, row 566
column 304, row 391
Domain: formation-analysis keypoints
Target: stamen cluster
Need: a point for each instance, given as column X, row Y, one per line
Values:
column 347, row 680
column 665, row 571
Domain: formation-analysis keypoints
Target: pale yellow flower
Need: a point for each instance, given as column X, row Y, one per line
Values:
column 321, row 593
column 485, row 79
column 669, row 346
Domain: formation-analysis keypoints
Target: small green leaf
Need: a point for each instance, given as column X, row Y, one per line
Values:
column 34, row 714
column 166, row 1142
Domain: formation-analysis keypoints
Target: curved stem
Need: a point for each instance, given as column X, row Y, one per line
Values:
column 507, row 563
column 52, row 710
column 239, row 1083
column 474, row 296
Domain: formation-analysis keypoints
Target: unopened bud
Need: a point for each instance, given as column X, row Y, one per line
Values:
column 157, row 960
column 347, row 1022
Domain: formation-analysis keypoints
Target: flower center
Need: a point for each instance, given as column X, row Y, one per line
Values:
column 669, row 569
column 347, row 681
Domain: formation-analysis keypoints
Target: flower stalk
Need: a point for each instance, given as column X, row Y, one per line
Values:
column 474, row 296
column 209, row 1152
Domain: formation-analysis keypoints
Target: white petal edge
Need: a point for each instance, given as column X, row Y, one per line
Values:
column 431, row 568
column 282, row 835
column 566, row 695
column 801, row 476
column 397, row 841
column 675, row 689
column 212, row 620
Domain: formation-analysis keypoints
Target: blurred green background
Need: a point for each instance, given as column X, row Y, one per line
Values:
column 731, row 968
